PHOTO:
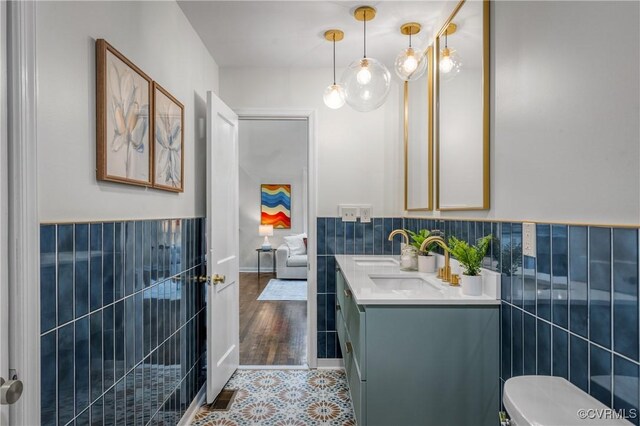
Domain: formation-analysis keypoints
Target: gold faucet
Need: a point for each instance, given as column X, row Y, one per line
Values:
column 399, row 232
column 445, row 274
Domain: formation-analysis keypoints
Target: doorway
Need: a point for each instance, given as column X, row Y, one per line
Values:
column 276, row 241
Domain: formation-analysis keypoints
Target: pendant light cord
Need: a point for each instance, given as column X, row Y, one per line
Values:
column 410, row 34
column 334, row 59
column 445, row 39
column 364, row 23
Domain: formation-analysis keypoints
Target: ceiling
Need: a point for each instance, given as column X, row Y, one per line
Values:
column 289, row 34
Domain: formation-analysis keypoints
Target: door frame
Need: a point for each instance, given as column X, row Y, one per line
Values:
column 23, row 260
column 312, row 197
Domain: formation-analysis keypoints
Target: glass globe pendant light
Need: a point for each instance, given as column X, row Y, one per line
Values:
column 449, row 62
column 410, row 63
column 366, row 81
column 334, row 94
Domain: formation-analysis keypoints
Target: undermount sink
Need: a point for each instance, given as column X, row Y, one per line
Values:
column 405, row 284
column 375, row 261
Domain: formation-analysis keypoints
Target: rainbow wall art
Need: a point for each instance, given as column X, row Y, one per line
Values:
column 276, row 206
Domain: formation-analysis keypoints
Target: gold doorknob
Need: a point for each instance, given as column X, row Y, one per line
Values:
column 218, row 279
column 202, row 279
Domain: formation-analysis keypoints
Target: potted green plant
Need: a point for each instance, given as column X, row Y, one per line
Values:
column 470, row 257
column 426, row 261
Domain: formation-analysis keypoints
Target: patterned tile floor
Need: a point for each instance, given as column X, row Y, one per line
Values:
column 284, row 397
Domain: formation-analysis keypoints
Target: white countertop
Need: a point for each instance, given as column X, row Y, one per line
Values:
column 362, row 272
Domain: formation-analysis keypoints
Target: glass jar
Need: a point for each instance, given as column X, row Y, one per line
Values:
column 409, row 258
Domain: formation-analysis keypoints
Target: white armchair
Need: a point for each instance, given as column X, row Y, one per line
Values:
column 290, row 267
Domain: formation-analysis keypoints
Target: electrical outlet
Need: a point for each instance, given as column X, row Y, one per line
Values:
column 365, row 213
column 349, row 213
column 529, row 239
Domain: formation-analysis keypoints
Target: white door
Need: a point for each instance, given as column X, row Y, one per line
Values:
column 223, row 311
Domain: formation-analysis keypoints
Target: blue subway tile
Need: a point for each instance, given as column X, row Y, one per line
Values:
column 118, row 261
column 578, row 280
column 543, row 271
column 65, row 273
column 119, row 339
column 529, row 334
column 84, row 418
column 330, row 235
column 368, row 238
column 529, row 283
column 139, row 327
column 625, row 292
column 96, row 267
column 517, row 283
column 544, row 348
column 321, row 234
column 322, row 344
column 517, row 331
column 97, row 413
column 129, row 257
column 505, row 262
column 321, row 262
column 130, row 392
column 82, row 364
column 600, row 374
column 560, row 352
column 359, row 238
column 81, row 269
column 579, row 362
column 559, row 275
column 48, row 295
column 397, row 244
column 331, row 274
column 146, row 254
column 506, row 341
column 49, row 381
column 129, row 332
column 340, row 239
column 378, row 236
column 154, row 250
column 349, row 237
column 107, row 263
column 65, row 378
column 138, row 257
column 600, row 286
column 331, row 312
column 322, row 312
column 96, row 367
column 388, row 227
column 626, row 393
column 109, row 407
column 332, row 344
column 108, row 345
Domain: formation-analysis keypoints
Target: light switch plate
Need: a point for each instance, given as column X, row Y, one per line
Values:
column 529, row 239
column 349, row 213
column 365, row 213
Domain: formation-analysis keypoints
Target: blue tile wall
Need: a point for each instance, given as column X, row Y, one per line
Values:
column 572, row 311
column 337, row 237
column 123, row 321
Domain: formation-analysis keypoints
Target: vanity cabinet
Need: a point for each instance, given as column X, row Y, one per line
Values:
column 419, row 364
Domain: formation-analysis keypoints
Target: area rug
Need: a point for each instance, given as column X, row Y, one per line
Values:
column 284, row 290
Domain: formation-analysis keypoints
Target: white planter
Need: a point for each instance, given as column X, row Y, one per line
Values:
column 427, row 264
column 471, row 285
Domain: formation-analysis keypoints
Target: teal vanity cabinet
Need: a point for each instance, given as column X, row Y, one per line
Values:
column 428, row 364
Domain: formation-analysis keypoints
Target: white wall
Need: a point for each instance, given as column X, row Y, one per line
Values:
column 158, row 38
column 271, row 151
column 359, row 154
column 565, row 112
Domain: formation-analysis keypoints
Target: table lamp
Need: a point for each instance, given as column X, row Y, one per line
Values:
column 265, row 231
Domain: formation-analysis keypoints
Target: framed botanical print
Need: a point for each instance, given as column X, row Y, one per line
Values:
column 123, row 136
column 168, row 141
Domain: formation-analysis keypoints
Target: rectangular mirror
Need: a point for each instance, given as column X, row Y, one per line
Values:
column 462, row 105
column 418, row 140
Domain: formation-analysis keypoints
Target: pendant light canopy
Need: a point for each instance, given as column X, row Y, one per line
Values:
column 334, row 94
column 449, row 61
column 410, row 63
column 366, row 81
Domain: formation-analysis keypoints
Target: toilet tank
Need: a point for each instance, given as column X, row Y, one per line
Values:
column 554, row 401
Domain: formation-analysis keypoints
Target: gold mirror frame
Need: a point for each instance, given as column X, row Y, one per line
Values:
column 429, row 76
column 486, row 41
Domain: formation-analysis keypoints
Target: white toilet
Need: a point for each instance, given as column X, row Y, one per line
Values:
column 553, row 401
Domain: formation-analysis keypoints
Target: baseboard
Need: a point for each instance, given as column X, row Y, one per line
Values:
column 273, row 367
column 330, row 363
column 197, row 402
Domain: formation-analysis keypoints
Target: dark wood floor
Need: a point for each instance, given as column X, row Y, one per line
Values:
column 271, row 332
